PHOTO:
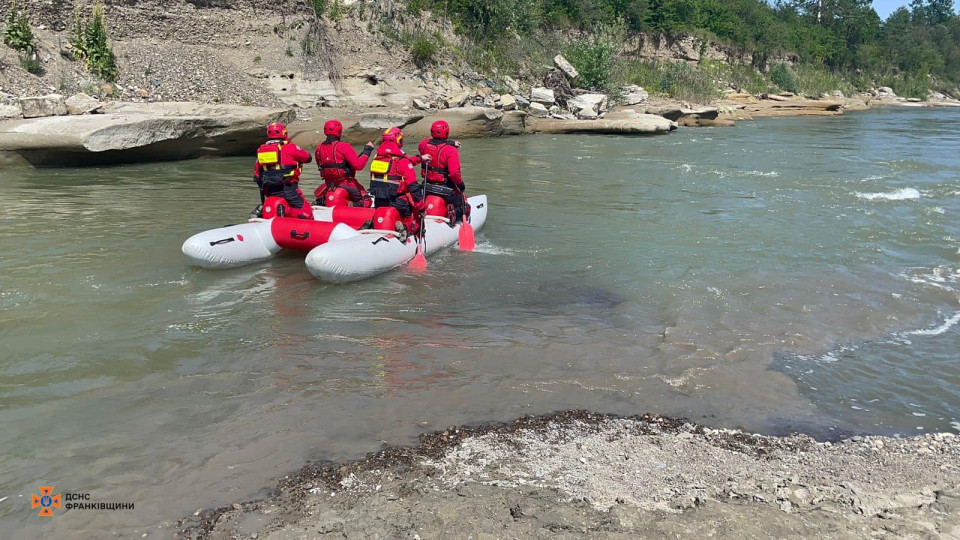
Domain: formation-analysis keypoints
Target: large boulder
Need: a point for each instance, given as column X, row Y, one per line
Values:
column 625, row 122
column 471, row 122
column 380, row 121
column 457, row 100
column 82, row 104
column 493, row 114
column 632, row 94
column 542, row 95
column 41, row 106
column 566, row 67
column 752, row 108
column 676, row 113
column 587, row 105
column 135, row 132
column 10, row 111
column 538, row 110
column 508, row 102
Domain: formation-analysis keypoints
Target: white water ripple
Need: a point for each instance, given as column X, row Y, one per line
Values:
column 947, row 324
column 902, row 194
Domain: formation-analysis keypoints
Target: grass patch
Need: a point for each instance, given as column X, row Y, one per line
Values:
column 677, row 80
column 816, row 81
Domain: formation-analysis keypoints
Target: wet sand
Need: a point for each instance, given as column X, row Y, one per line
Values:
column 576, row 474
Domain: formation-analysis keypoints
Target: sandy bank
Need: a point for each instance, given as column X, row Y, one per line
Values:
column 577, row 474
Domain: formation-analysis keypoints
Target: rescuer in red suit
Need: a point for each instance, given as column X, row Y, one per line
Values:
column 339, row 165
column 277, row 170
column 442, row 174
column 393, row 180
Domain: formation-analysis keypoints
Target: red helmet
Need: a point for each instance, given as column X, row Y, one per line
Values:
column 277, row 130
column 393, row 135
column 440, row 130
column 333, row 128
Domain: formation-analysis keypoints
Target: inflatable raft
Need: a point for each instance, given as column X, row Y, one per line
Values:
column 259, row 240
column 263, row 238
column 373, row 252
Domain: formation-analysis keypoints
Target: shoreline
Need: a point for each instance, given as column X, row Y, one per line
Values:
column 575, row 473
column 129, row 132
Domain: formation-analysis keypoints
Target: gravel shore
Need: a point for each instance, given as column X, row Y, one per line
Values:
column 576, row 474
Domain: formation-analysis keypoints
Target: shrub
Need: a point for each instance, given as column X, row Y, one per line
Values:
column 424, row 49
column 781, row 75
column 318, row 6
column 16, row 32
column 910, row 86
column 594, row 58
column 31, row 63
column 90, row 45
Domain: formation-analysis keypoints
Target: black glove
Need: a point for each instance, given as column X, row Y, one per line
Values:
column 309, row 159
column 367, row 150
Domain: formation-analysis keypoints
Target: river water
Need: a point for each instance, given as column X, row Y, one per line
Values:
column 783, row 275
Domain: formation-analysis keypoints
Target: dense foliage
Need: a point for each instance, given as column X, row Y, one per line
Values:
column 845, row 36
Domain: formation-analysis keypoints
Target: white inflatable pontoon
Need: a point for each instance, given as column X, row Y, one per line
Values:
column 259, row 240
column 372, row 252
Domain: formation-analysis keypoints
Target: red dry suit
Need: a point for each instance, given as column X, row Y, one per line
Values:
column 442, row 174
column 393, row 182
column 338, row 167
column 277, row 172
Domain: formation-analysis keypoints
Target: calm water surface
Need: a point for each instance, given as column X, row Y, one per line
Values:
column 783, row 275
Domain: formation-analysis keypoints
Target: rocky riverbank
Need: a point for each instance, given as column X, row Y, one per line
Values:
column 577, row 474
column 203, row 92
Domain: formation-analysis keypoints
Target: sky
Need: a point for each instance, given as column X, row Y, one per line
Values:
column 885, row 7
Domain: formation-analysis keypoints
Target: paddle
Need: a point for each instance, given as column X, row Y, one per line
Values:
column 419, row 262
column 467, row 241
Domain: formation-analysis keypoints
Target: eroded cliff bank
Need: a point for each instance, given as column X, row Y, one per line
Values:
column 196, row 79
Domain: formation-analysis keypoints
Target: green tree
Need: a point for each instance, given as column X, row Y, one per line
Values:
column 932, row 12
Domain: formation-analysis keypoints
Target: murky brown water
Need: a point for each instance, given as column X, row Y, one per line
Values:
column 781, row 275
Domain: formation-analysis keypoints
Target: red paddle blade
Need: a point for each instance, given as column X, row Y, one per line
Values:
column 467, row 241
column 419, row 262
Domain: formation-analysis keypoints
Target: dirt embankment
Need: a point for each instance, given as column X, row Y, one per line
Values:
column 245, row 52
column 577, row 474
